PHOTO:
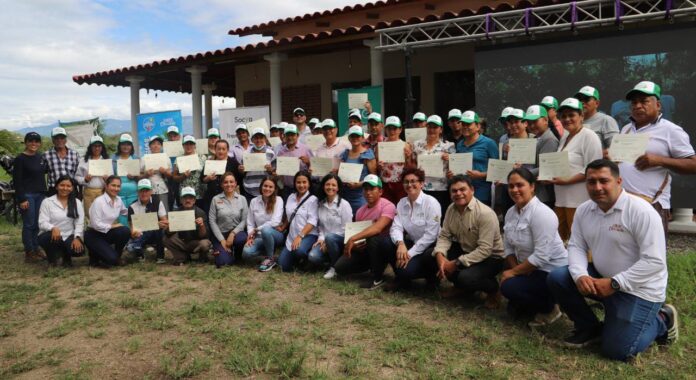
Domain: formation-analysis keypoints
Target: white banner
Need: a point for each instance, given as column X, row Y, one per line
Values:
column 230, row 117
column 79, row 134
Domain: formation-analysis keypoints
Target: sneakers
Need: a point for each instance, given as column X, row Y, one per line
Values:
column 161, row 261
column 267, row 265
column 545, row 319
column 669, row 314
column 581, row 339
column 331, row 273
column 372, row 285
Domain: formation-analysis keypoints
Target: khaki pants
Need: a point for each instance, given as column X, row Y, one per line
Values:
column 181, row 250
column 565, row 221
column 88, row 196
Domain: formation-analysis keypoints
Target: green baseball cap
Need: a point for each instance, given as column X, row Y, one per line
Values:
column 125, row 138
column 572, row 103
column 535, row 112
column 213, row 132
column 99, row 139
column 517, row 113
column 155, row 138
column 372, row 180
column 356, row 130
column 588, row 91
column 188, row 191
column 434, row 119
column 470, row 117
column 454, row 113
column 291, row 128
column 393, row 121
column 374, row 117
column 188, row 139
column 419, row 116
column 328, row 123
column 645, row 87
column 505, row 114
column 144, row 184
column 549, row 102
column 313, row 121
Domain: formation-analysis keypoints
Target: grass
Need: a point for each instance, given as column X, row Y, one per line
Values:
column 150, row 321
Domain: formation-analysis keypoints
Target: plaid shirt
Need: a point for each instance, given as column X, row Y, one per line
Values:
column 60, row 166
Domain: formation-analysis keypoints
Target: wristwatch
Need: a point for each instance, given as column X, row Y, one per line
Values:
column 615, row 285
column 301, row 235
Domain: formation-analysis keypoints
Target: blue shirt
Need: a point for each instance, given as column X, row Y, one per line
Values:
column 483, row 149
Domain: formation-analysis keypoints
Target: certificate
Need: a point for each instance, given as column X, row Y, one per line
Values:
column 313, row 142
column 260, row 123
column 146, row 221
column 321, row 166
column 287, row 165
column 182, row 220
column 173, row 148
column 156, row 160
column 460, row 163
column 188, row 163
column 216, row 167
column 275, row 141
column 432, row 165
column 202, row 147
column 350, row 173
column 357, row 100
column 627, row 148
column 354, row 228
column 128, row 167
column 498, row 170
column 254, row 162
column 553, row 165
column 99, row 168
column 415, row 134
column 391, row 151
column 522, row 151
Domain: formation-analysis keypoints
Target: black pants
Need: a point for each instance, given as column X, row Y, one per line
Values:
column 100, row 245
column 54, row 249
column 419, row 266
column 477, row 277
column 373, row 257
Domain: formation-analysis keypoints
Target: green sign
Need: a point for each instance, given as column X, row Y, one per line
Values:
column 349, row 98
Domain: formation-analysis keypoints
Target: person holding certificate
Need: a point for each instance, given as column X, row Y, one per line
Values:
column 228, row 215
column 419, row 120
column 189, row 178
column 357, row 154
column 182, row 243
column 332, row 146
column 92, row 186
column 390, row 172
column 129, row 183
column 213, row 181
column 433, row 144
column 333, row 215
column 301, row 221
column 538, row 121
column 583, row 146
column 264, row 229
column 533, row 249
column 146, row 203
column 454, row 126
column 517, row 130
column 106, row 237
column 252, row 179
column 159, row 176
column 550, row 104
column 61, row 223
column 293, row 148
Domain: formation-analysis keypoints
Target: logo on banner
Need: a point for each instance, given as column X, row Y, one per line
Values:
column 149, row 124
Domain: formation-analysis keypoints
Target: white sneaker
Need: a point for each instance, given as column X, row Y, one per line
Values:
column 546, row 319
column 331, row 273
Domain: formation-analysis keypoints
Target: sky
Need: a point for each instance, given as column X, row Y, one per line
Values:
column 45, row 42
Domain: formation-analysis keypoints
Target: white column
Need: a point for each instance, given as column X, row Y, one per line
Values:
column 376, row 66
column 134, row 81
column 275, row 85
column 197, row 111
column 682, row 221
column 208, row 104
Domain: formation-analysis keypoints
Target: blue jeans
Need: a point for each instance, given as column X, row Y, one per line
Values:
column 529, row 292
column 631, row 323
column 334, row 250
column 148, row 237
column 265, row 242
column 288, row 258
column 30, row 222
column 225, row 257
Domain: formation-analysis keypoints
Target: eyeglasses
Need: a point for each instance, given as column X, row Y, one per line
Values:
column 411, row 182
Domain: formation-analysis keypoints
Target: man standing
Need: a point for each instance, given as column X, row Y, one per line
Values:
column 375, row 130
column 628, row 273
column 293, row 148
column 419, row 120
column 299, row 118
column 669, row 149
column 602, row 124
column 454, row 124
column 538, row 120
column 551, row 105
column 60, row 160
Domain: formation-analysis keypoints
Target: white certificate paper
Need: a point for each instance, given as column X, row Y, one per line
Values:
column 287, row 165
column 350, row 173
column 313, row 142
column 391, row 151
column 146, row 221
column 415, row 134
column 182, row 220
column 357, row 100
column 275, row 141
column 498, row 170
column 627, row 148
column 460, row 163
column 522, row 151
column 128, row 167
column 188, row 163
column 354, row 228
column 202, row 147
column 432, row 165
column 216, row 167
column 99, row 168
column 173, row 148
column 156, row 160
column 254, row 162
column 321, row 166
column 553, row 165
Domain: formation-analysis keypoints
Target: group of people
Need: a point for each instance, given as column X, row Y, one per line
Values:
column 598, row 234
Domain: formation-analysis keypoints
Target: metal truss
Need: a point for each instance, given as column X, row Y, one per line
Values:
column 570, row 16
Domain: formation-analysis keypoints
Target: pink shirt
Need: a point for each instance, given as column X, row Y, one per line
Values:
column 383, row 208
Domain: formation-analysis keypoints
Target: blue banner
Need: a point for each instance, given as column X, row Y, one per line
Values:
column 156, row 124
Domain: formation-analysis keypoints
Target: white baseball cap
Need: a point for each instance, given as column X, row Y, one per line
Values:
column 96, row 139
column 125, row 138
column 188, row 190
column 454, row 113
column 58, row 131
column 435, row 119
column 213, row 132
column 393, row 121
column 173, row 129
column 144, row 184
column 188, row 139
column 374, row 117
column 356, row 130
column 241, row 126
column 257, row 131
column 420, row 116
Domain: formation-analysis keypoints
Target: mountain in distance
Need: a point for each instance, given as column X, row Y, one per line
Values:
column 113, row 127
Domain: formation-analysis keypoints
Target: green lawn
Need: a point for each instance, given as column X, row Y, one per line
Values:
column 148, row 321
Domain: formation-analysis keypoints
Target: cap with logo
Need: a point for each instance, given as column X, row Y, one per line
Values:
column 434, row 119
column 291, row 128
column 258, row 131
column 470, row 117
column 419, row 116
column 535, row 112
column 374, row 117
column 173, row 129
column 356, row 130
column 99, row 139
column 572, row 103
column 213, row 132
column 393, row 121
column 242, row 127
column 188, row 139
column 313, row 121
column 356, row 114
column 372, row 180
column 299, row 110
column 588, row 91
column 454, row 114
column 32, row 136
column 125, row 138
column 188, row 191
column 144, row 184
column 505, row 113
column 58, row 131
column 549, row 102
column 645, row 87
column 328, row 123
column 517, row 113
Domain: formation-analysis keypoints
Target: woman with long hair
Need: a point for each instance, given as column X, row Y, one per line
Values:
column 159, row 176
column 92, row 186
column 264, row 224
column 301, row 220
column 129, row 183
column 29, row 179
column 434, row 144
column 61, row 223
column 227, row 216
column 357, row 154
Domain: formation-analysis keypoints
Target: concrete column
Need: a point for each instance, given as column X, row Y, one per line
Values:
column 376, row 67
column 197, row 111
column 208, row 104
column 134, row 81
column 682, row 221
column 274, row 61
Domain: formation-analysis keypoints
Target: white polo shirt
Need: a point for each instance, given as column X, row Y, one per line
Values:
column 333, row 217
column 667, row 140
column 627, row 244
column 421, row 222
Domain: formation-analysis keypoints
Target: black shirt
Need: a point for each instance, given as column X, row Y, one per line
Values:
column 193, row 235
column 29, row 175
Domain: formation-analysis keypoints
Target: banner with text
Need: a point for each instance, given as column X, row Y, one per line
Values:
column 230, row 117
column 156, row 124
